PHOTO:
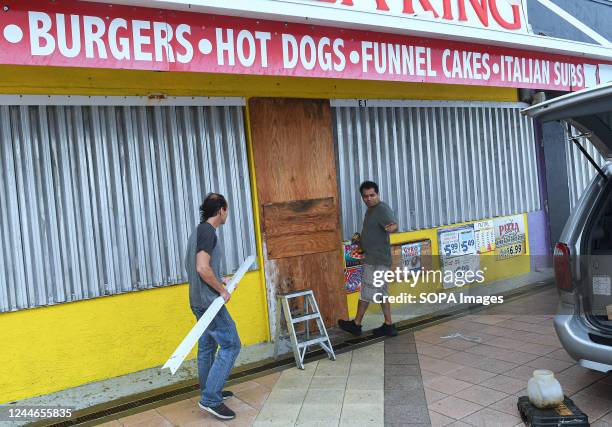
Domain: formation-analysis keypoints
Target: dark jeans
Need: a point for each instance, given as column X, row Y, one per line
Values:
column 214, row 366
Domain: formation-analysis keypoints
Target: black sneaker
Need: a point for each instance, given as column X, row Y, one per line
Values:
column 385, row 330
column 227, row 394
column 220, row 411
column 350, row 326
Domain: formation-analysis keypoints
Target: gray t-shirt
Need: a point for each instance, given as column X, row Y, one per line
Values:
column 203, row 238
column 374, row 238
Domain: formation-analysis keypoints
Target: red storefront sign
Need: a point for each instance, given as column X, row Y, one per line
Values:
column 82, row 34
column 503, row 14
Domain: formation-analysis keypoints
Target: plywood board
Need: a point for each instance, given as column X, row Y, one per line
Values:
column 317, row 272
column 301, row 244
column 293, row 149
column 300, row 216
column 295, row 169
column 300, row 227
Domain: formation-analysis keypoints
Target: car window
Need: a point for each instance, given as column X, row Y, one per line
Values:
column 601, row 236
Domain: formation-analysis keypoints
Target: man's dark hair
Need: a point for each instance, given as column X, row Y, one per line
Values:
column 365, row 185
column 211, row 206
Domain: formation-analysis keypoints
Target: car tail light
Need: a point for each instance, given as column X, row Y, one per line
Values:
column 561, row 262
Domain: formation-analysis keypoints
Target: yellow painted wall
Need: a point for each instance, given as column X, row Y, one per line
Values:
column 61, row 346
column 66, row 345
column 494, row 269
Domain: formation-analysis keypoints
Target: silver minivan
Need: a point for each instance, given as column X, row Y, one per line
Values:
column 583, row 255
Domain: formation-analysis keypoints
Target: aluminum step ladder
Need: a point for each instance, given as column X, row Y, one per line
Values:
column 301, row 342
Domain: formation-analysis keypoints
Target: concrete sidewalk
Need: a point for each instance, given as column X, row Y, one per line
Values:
column 150, row 381
column 416, row 379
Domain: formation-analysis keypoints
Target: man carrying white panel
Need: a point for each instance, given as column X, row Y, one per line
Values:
column 203, row 262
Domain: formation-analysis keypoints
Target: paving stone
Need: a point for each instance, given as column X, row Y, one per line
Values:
column 454, row 407
column 600, row 390
column 521, row 373
column 593, row 406
column 327, row 422
column 394, row 370
column 401, row 359
column 407, row 413
column 437, row 366
column 408, row 406
column 396, row 347
column 406, row 338
column 319, row 412
column 458, row 343
column 561, row 354
column 551, row 364
column 471, row 375
column 403, row 382
column 377, row 368
column 330, row 370
column 329, row 383
column 399, row 397
column 439, row 420
column 437, row 351
column 246, row 385
column 362, row 415
column 462, row 358
column 606, row 419
column 145, row 418
column 461, row 424
column 516, row 357
column 289, row 397
column 481, row 395
column 278, row 413
column 406, row 425
column 324, row 397
column 496, row 366
column 365, row 383
column 447, row 385
column 504, row 384
column 432, row 395
column 269, row 380
column 428, row 375
column 255, row 396
column 507, row 405
column 489, row 417
column 364, row 396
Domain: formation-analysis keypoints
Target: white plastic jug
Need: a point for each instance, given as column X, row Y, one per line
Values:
column 544, row 390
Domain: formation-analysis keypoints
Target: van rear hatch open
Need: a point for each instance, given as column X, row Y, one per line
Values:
column 590, row 113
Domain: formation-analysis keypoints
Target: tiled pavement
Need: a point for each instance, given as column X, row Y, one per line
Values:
column 432, row 377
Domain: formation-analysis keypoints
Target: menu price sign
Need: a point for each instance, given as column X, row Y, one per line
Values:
column 484, row 233
column 458, row 251
column 411, row 255
column 510, row 237
column 457, row 241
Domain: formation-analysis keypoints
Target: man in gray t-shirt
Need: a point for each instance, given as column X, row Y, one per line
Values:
column 203, row 262
column 203, row 238
column 378, row 222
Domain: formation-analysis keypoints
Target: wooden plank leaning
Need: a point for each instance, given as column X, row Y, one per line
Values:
column 183, row 349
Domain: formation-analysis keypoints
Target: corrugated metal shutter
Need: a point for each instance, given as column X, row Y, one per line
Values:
column 436, row 163
column 100, row 200
column 580, row 171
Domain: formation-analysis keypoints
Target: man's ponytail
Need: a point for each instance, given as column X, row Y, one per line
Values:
column 211, row 206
